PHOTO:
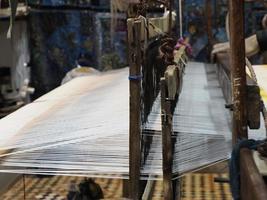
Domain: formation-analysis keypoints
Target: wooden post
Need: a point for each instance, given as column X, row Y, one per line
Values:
column 170, row 15
column 125, row 188
column 208, row 16
column 134, row 29
column 167, row 156
column 238, row 69
column 252, row 184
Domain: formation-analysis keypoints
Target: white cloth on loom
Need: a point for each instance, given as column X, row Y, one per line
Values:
column 87, row 134
column 200, row 107
column 72, row 111
column 82, row 128
column 200, row 120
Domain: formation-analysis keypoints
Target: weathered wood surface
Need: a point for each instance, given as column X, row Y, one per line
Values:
column 260, row 162
column 134, row 40
column 238, row 69
column 139, row 31
column 252, row 183
column 252, row 90
column 172, row 80
column 167, row 149
column 170, row 88
column 224, row 77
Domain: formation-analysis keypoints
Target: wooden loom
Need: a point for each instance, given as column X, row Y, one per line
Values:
column 137, row 37
column 170, row 87
column 243, row 97
column 139, row 34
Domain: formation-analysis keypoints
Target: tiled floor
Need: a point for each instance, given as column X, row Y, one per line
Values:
column 194, row 187
column 203, row 187
column 56, row 188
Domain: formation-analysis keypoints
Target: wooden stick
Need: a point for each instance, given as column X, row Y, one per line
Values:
column 134, row 29
column 170, row 87
column 238, row 69
column 167, row 152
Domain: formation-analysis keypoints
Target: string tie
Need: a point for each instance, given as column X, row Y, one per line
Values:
column 135, row 77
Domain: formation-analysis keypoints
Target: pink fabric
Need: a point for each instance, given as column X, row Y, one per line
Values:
column 180, row 43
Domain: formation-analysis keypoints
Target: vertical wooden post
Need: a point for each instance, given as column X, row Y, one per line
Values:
column 134, row 30
column 125, row 188
column 170, row 15
column 208, row 16
column 238, row 69
column 167, row 156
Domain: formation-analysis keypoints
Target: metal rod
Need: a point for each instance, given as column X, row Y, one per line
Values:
column 238, row 69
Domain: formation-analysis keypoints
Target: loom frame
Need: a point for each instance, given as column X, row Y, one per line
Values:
column 171, row 86
column 139, row 31
column 135, row 43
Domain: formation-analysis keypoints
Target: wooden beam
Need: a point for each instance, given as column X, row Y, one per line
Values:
column 167, row 151
column 170, row 87
column 172, row 80
column 252, row 182
column 238, row 69
column 134, row 29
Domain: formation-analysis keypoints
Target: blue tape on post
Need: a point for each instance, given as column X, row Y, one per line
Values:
column 135, row 78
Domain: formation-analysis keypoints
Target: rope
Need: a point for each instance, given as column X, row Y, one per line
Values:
column 166, row 50
column 135, row 78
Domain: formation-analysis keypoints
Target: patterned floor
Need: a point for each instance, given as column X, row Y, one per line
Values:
column 203, row 187
column 56, row 188
column 194, row 187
